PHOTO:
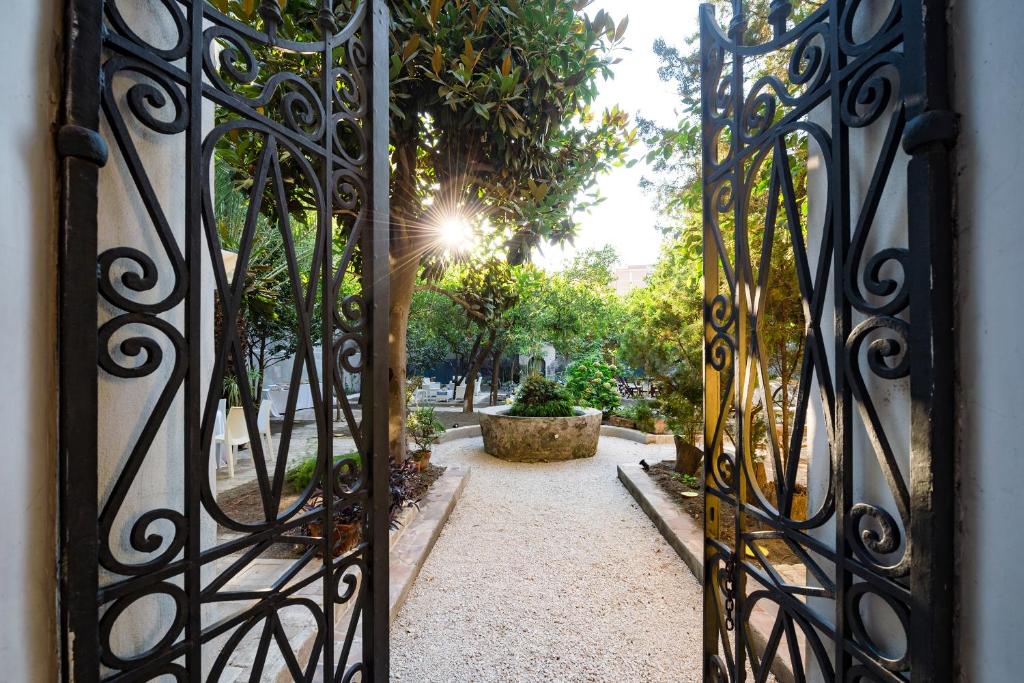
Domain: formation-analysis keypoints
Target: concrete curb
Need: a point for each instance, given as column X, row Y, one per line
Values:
column 457, row 433
column 686, row 537
column 635, row 435
column 409, row 549
column 413, row 547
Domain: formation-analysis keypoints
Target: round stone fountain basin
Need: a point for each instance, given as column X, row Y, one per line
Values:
column 540, row 439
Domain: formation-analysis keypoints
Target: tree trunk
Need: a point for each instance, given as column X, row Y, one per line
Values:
column 495, row 375
column 403, row 282
column 688, row 456
column 475, row 363
column 464, row 364
column 404, row 265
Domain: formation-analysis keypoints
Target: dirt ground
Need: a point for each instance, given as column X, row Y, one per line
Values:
column 245, row 505
column 669, row 481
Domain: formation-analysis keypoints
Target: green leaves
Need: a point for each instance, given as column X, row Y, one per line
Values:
column 592, row 383
column 540, row 397
column 496, row 94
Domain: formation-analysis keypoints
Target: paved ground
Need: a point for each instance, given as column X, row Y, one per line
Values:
column 549, row 572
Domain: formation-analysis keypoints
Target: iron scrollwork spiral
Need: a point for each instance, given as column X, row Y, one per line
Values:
column 298, row 96
column 819, row 107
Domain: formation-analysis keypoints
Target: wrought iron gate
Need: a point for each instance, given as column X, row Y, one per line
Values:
column 229, row 124
column 828, row 526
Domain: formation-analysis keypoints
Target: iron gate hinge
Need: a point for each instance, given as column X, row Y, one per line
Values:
column 82, row 143
column 931, row 126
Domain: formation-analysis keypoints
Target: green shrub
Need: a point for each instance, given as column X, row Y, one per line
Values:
column 642, row 414
column 302, row 474
column 423, row 427
column 687, row 480
column 591, row 383
column 540, row 397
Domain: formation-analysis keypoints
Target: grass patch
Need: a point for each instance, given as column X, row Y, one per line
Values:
column 301, row 475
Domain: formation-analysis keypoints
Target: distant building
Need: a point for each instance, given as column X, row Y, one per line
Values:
column 629, row 278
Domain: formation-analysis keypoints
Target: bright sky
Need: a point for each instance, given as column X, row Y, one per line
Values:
column 626, row 219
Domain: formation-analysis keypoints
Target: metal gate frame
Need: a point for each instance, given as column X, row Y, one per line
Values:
column 916, row 325
column 94, row 32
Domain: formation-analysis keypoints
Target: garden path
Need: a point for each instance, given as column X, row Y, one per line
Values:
column 549, row 572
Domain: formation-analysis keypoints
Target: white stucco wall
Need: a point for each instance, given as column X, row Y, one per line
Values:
column 989, row 92
column 29, row 36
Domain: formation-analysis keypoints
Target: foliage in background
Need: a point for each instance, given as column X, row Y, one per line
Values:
column 581, row 313
column 424, row 428
column 234, row 395
column 541, row 397
column 491, row 118
column 438, row 327
column 666, row 338
column 591, row 382
column 483, row 310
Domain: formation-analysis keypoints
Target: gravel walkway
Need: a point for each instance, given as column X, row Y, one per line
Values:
column 549, row 572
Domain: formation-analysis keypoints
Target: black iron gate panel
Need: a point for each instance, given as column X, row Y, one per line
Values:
column 224, row 212
column 828, row 357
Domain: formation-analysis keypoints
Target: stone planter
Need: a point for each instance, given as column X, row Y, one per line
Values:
column 540, row 439
column 619, row 421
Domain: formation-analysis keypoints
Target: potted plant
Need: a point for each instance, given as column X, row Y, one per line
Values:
column 346, row 531
column 424, row 428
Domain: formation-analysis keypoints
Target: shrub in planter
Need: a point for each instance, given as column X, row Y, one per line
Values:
column 423, row 427
column 540, row 397
column 622, row 421
column 591, row 384
column 641, row 415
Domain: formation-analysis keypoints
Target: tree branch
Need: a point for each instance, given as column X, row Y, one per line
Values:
column 454, row 297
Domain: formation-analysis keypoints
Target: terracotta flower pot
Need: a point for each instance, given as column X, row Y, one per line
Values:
column 345, row 536
column 422, row 459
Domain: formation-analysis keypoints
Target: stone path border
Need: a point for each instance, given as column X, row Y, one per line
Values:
column 686, row 537
column 413, row 547
column 473, row 431
column 635, row 435
column 455, row 433
column 409, row 549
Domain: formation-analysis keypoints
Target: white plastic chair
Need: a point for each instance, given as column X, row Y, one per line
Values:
column 263, row 424
column 235, row 434
column 217, row 443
